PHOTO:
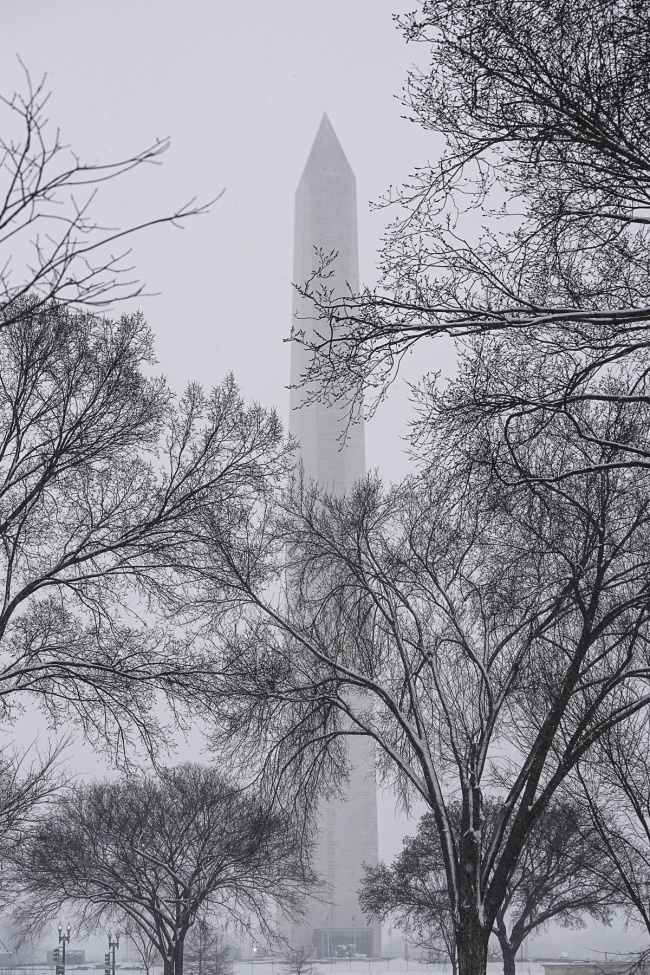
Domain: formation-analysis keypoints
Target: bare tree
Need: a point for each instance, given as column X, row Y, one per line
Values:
column 52, row 245
column 531, row 231
column 558, row 877
column 208, row 949
column 142, row 944
column 442, row 619
column 27, row 779
column 615, row 783
column 301, row 962
column 160, row 851
column 104, row 480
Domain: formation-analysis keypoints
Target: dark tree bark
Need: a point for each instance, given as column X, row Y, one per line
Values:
column 173, row 961
column 508, row 951
column 502, row 593
column 471, row 940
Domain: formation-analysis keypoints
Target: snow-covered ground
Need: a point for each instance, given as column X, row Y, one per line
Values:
column 394, row 966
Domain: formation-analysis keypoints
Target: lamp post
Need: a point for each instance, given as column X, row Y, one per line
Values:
column 59, row 953
column 109, row 957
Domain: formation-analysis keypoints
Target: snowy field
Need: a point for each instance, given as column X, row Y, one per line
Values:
column 394, row 966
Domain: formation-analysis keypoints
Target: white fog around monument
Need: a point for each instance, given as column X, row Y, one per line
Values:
column 241, row 88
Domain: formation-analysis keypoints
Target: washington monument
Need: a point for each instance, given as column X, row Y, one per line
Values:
column 326, row 218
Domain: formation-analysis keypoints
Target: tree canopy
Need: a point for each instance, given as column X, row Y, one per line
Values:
column 558, row 877
column 104, row 480
column 158, row 850
column 484, row 634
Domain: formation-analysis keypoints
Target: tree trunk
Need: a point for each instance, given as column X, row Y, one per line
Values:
column 508, row 949
column 509, row 955
column 178, row 959
column 174, row 965
column 472, row 944
column 471, row 928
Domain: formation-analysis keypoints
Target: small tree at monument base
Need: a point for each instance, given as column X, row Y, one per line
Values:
column 208, row 949
column 300, row 962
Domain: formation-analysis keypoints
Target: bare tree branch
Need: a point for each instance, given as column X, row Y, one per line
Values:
column 51, row 245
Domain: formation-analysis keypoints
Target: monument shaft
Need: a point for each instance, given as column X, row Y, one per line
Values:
column 326, row 221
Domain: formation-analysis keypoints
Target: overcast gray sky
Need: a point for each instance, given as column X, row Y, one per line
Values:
column 240, row 87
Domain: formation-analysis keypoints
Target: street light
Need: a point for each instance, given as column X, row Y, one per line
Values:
column 60, row 959
column 109, row 961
